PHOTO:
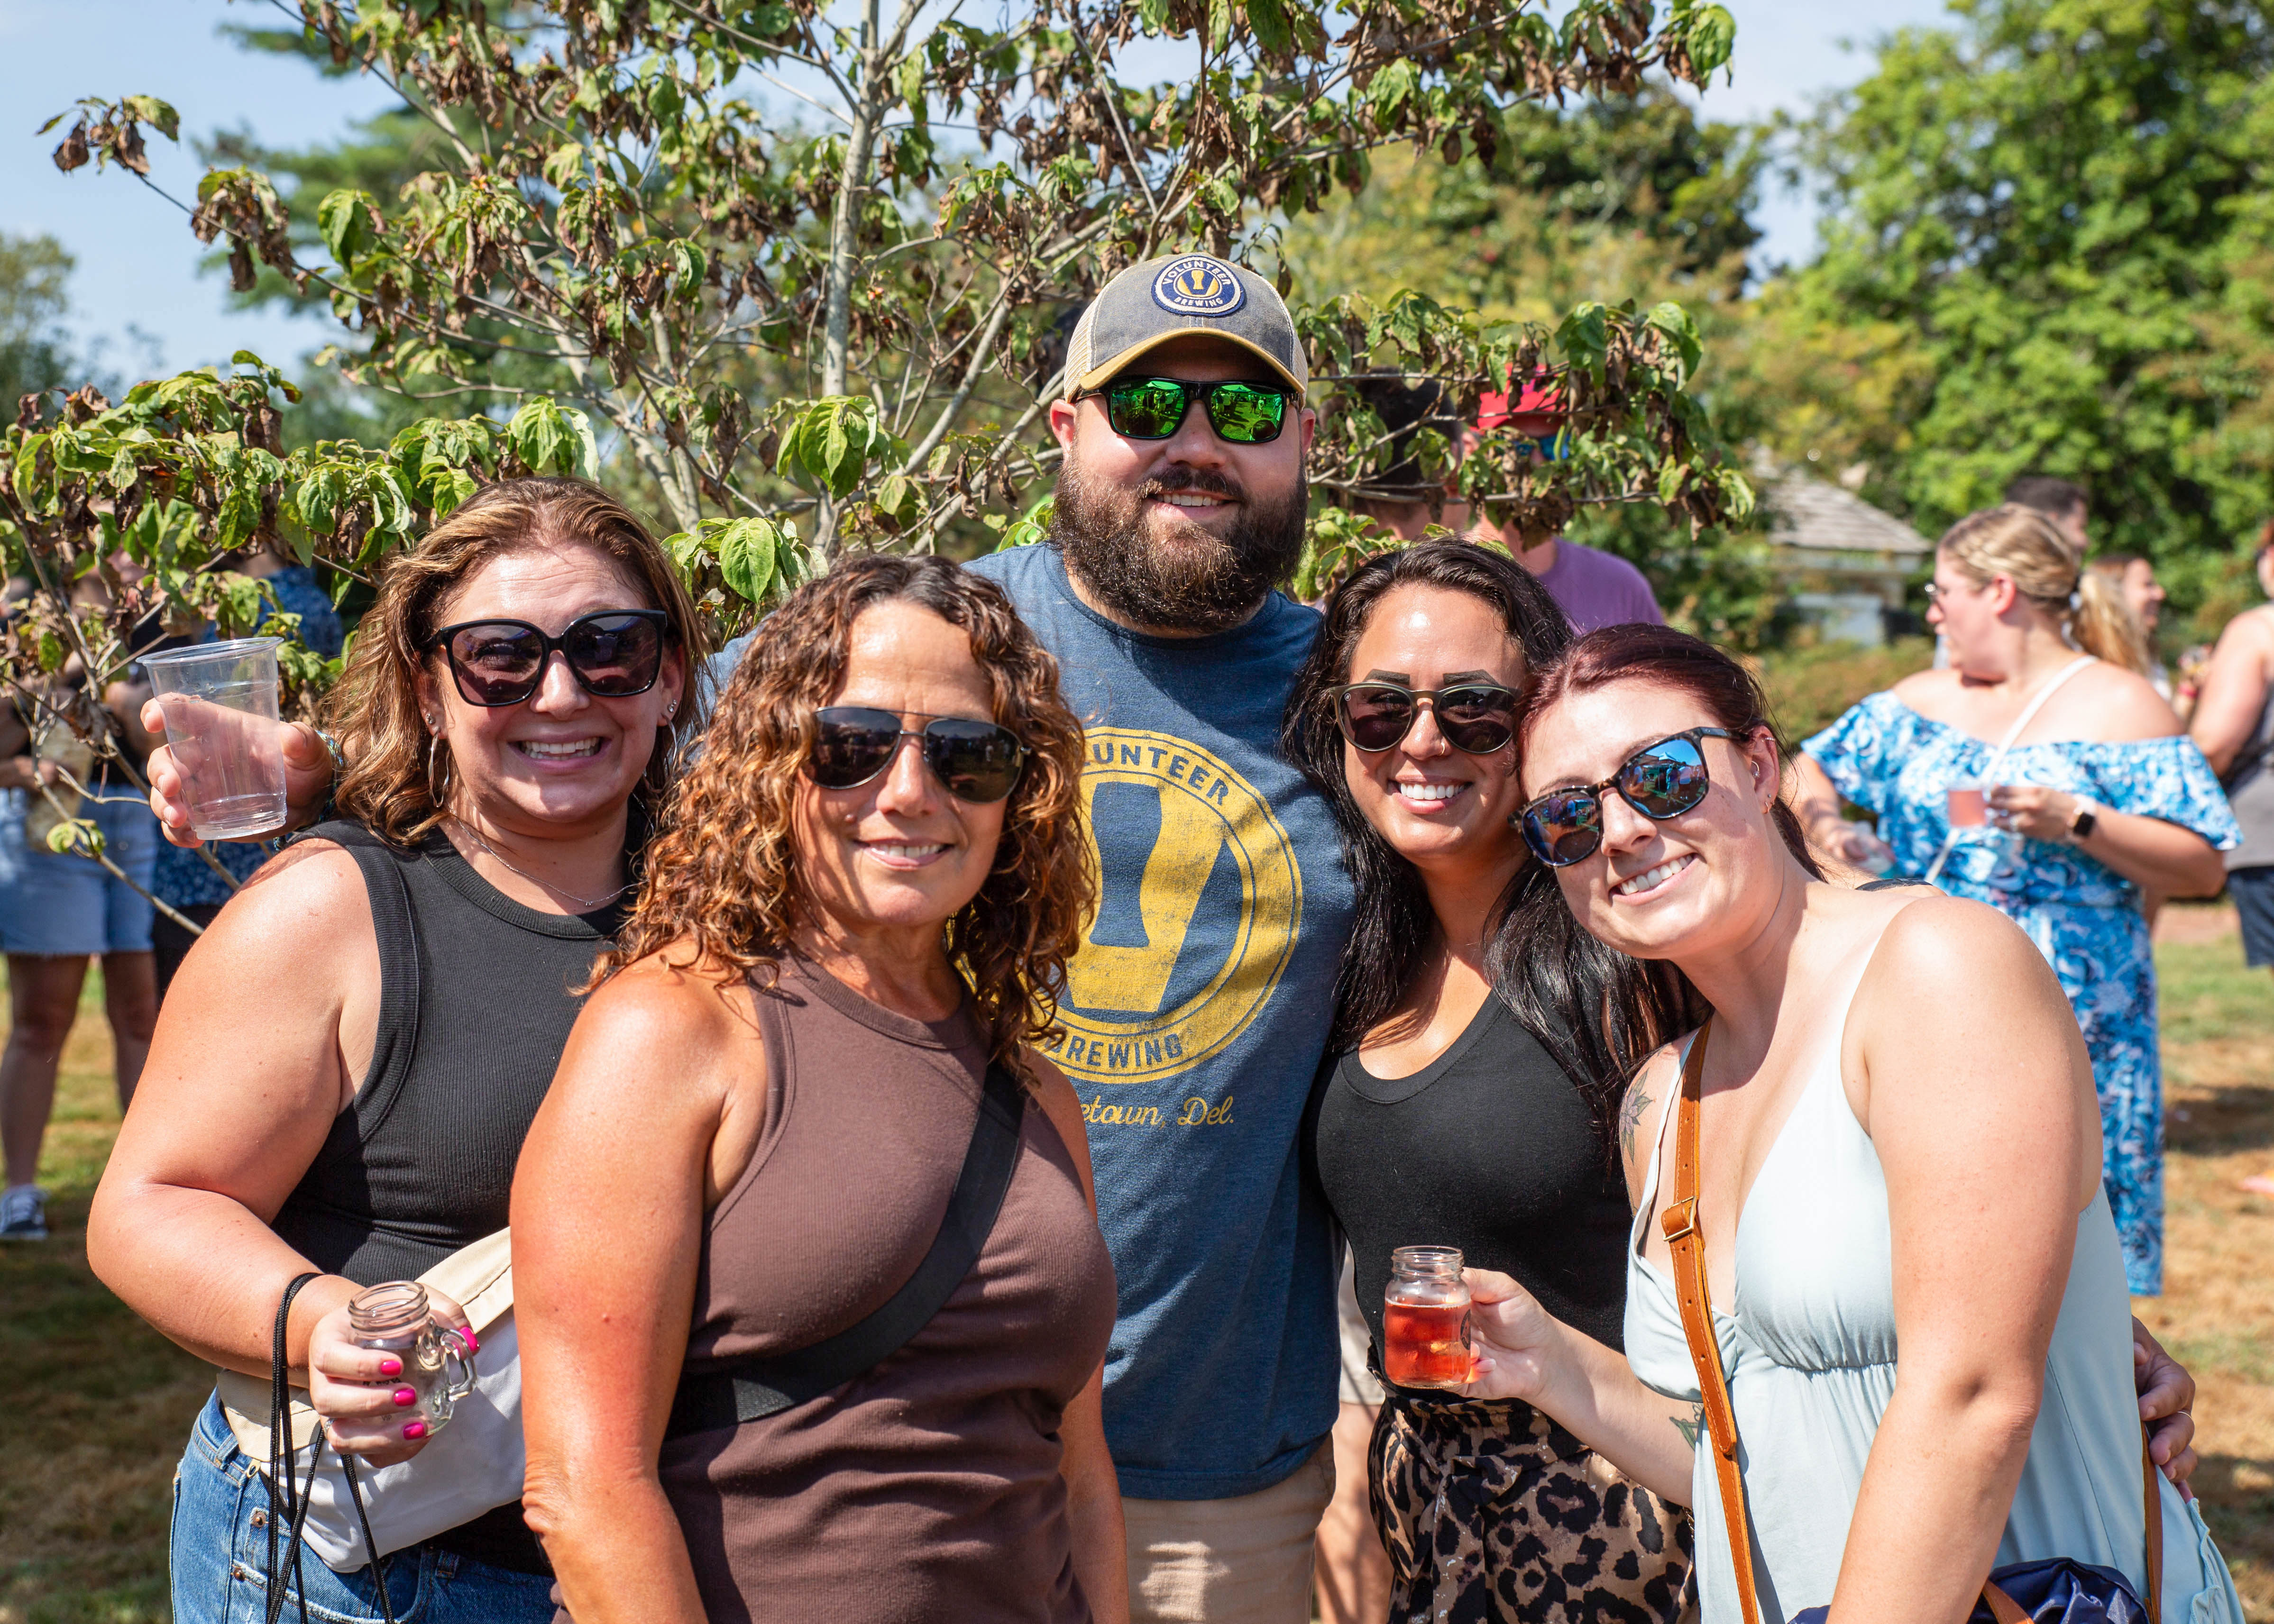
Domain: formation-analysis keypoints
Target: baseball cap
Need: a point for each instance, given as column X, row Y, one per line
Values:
column 1148, row 304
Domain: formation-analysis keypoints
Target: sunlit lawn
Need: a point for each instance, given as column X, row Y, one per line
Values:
column 100, row 1404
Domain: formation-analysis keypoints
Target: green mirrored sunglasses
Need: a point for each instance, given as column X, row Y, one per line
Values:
column 1245, row 414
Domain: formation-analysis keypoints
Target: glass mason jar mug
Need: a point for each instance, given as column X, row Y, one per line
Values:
column 395, row 1318
column 1424, row 1319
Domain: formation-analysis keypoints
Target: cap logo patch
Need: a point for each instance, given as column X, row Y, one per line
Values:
column 1198, row 286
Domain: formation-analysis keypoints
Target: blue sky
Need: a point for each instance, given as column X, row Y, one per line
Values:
column 138, row 263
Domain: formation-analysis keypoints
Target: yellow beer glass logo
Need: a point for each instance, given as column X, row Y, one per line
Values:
column 1123, row 1028
column 1198, row 286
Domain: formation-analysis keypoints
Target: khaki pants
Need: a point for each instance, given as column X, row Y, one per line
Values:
column 1243, row 1560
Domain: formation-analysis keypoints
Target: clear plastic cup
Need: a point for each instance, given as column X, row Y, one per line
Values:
column 1967, row 804
column 219, row 701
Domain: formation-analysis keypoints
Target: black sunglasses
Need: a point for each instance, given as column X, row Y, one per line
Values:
column 978, row 762
column 613, row 654
column 1245, row 414
column 1476, row 717
column 1661, row 780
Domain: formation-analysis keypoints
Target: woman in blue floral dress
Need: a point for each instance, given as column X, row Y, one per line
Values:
column 2099, row 798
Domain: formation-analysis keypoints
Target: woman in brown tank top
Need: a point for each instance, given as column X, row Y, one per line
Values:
column 758, row 1125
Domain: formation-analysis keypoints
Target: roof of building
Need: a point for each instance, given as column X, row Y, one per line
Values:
column 1812, row 514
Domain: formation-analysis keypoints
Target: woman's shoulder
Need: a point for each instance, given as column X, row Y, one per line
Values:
column 1936, row 952
column 2107, row 705
column 1924, row 692
column 674, row 995
column 313, row 886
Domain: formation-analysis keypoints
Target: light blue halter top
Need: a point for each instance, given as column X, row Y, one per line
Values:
column 1809, row 1348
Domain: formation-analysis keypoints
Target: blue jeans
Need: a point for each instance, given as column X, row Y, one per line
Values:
column 221, row 1555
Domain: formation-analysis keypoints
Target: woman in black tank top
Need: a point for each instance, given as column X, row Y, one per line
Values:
column 1438, row 1120
column 352, row 1054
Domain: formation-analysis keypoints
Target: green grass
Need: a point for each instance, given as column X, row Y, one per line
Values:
column 2208, row 994
column 102, row 1404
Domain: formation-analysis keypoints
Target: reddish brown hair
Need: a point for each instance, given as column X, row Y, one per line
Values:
column 722, row 877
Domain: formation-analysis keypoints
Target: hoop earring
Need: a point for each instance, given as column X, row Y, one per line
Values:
column 436, row 792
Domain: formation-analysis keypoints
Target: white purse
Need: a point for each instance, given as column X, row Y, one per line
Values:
column 472, row 1465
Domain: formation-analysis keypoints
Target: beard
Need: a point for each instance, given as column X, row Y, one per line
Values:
column 1190, row 580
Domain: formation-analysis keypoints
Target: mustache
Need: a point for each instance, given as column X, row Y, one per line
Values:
column 1178, row 476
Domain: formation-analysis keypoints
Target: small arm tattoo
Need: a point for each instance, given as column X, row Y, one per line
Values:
column 1691, row 1428
column 1637, row 1101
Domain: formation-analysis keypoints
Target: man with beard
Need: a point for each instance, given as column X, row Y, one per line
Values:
column 1198, row 1005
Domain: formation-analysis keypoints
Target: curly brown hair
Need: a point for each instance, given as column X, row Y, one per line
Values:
column 722, row 877
column 374, row 710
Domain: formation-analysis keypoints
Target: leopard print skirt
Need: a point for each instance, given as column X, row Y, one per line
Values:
column 1492, row 1513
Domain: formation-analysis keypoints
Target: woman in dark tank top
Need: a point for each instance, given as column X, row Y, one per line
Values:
column 1440, row 1120
column 351, row 1054
column 847, row 943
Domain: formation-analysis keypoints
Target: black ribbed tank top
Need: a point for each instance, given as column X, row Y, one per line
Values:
column 1488, row 1147
column 474, row 1006
column 476, row 1000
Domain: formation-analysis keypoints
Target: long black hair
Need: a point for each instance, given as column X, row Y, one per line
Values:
column 1396, row 929
column 1598, row 1011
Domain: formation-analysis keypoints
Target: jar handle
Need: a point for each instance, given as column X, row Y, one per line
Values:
column 452, row 1344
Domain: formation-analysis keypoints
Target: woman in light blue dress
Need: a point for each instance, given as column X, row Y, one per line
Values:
column 2101, row 797
column 1915, row 1283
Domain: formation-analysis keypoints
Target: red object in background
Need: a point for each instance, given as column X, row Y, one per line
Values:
column 1426, row 1345
column 1538, row 407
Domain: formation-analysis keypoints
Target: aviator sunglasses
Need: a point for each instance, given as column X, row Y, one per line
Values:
column 978, row 762
column 1245, row 414
column 1476, row 717
column 1661, row 780
column 612, row 655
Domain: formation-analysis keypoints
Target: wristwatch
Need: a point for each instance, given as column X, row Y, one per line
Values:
column 2087, row 819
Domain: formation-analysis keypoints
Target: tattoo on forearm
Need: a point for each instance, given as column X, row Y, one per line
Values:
column 1631, row 1117
column 1691, row 1428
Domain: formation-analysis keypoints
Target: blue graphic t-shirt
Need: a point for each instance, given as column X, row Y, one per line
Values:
column 1196, row 1018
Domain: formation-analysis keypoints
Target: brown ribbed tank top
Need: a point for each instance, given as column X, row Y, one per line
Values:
column 928, row 1489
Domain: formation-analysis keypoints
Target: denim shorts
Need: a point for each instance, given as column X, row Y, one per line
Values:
column 220, row 1556
column 72, row 905
column 2253, row 890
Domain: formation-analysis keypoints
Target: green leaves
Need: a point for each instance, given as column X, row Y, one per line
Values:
column 758, row 559
column 1391, row 89
column 1707, row 32
column 830, row 444
column 550, row 439
column 350, row 222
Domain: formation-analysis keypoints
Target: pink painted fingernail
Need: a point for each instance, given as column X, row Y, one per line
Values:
column 390, row 1367
column 416, row 1429
column 406, row 1395
column 473, row 1342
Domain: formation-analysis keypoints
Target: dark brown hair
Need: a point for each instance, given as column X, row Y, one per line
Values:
column 2047, row 494
column 1394, row 929
column 1617, row 1010
column 722, row 878
column 375, row 709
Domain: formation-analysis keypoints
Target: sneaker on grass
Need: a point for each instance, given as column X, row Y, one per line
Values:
column 23, row 1214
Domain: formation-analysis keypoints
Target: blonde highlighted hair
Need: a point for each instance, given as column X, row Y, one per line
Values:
column 389, row 785
column 722, row 880
column 2024, row 545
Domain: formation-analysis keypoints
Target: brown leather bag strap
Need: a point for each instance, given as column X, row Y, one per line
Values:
column 1679, row 1223
column 2155, row 1595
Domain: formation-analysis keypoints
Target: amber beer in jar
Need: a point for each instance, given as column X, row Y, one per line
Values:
column 1424, row 1319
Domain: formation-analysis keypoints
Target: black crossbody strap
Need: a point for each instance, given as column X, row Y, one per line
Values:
column 753, row 1388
